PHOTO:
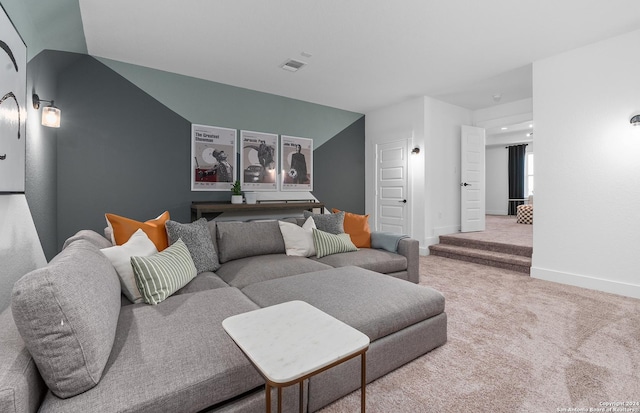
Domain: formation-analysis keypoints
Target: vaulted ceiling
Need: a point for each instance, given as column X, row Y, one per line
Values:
column 360, row 54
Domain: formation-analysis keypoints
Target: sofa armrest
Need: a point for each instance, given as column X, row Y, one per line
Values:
column 21, row 387
column 410, row 248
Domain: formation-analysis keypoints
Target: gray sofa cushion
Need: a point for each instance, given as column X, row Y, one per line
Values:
column 376, row 304
column 247, row 239
column 173, row 357
column 198, row 240
column 250, row 270
column 203, row 281
column 67, row 313
column 375, row 260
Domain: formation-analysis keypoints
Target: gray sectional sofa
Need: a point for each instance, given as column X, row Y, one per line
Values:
column 101, row 353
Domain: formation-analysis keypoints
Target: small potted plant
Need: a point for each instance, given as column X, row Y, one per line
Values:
column 236, row 190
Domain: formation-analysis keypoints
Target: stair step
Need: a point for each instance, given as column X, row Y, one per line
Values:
column 486, row 245
column 481, row 256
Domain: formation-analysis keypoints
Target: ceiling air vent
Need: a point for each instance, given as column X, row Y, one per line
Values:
column 292, row 65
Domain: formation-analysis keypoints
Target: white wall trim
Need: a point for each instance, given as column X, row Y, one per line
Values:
column 592, row 283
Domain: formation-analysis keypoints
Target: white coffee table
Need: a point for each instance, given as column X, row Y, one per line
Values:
column 292, row 341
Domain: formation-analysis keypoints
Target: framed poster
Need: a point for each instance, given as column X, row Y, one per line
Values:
column 258, row 161
column 13, row 108
column 297, row 163
column 213, row 158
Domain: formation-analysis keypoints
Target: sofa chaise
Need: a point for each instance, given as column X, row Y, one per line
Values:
column 72, row 342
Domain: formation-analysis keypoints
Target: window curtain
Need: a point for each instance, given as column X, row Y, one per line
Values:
column 516, row 176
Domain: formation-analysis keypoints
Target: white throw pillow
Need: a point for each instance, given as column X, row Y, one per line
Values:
column 120, row 256
column 298, row 240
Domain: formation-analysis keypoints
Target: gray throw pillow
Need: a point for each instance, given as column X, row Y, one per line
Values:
column 331, row 223
column 67, row 313
column 197, row 238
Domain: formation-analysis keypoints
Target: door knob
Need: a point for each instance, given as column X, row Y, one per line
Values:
column 465, row 184
column 404, row 201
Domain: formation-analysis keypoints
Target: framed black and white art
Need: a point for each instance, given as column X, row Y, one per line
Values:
column 213, row 158
column 297, row 163
column 13, row 109
column 258, row 161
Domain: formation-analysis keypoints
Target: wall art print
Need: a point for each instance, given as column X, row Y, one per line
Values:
column 213, row 158
column 258, row 161
column 13, row 109
column 297, row 163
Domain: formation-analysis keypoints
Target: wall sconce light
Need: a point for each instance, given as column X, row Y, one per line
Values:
column 635, row 120
column 415, row 151
column 50, row 113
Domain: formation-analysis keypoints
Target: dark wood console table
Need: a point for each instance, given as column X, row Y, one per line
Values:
column 217, row 208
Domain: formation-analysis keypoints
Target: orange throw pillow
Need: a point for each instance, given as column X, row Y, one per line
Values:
column 123, row 228
column 357, row 226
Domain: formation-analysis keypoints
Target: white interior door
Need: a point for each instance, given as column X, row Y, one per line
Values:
column 472, row 179
column 392, row 206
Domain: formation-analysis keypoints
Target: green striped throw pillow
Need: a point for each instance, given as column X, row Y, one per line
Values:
column 327, row 244
column 162, row 274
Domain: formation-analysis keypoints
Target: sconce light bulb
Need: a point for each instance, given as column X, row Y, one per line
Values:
column 51, row 116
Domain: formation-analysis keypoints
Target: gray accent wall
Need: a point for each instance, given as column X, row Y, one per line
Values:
column 120, row 150
column 41, row 153
column 211, row 103
column 339, row 166
column 55, row 25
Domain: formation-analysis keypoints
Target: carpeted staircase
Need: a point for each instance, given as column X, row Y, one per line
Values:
column 494, row 254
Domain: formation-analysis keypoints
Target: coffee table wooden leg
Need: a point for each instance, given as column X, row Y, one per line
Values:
column 301, row 391
column 363, row 371
column 279, row 399
column 267, row 397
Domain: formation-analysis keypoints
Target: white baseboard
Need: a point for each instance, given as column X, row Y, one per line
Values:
column 592, row 283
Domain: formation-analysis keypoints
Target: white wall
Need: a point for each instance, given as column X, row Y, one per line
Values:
column 434, row 127
column 504, row 114
column 497, row 180
column 586, row 228
column 442, row 179
column 497, row 159
column 497, row 175
column 20, row 250
column 394, row 123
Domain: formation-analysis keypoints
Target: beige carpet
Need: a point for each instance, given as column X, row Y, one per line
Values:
column 516, row 344
column 502, row 229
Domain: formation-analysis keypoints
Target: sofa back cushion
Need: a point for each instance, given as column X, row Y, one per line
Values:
column 67, row 313
column 88, row 235
column 247, row 239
